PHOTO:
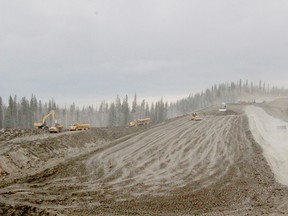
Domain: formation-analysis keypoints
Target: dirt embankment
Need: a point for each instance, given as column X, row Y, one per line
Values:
column 30, row 154
column 277, row 108
column 271, row 133
column 9, row 134
column 179, row 167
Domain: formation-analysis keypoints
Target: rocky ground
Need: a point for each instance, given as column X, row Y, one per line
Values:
column 178, row 167
column 8, row 134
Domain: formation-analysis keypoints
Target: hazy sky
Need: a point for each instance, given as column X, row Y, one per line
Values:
column 89, row 50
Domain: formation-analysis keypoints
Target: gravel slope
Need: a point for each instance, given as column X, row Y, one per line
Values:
column 179, row 167
column 272, row 134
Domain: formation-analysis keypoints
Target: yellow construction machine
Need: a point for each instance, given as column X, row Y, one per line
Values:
column 76, row 127
column 139, row 122
column 195, row 117
column 57, row 128
column 42, row 124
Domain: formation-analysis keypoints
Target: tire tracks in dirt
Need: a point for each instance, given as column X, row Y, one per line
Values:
column 213, row 166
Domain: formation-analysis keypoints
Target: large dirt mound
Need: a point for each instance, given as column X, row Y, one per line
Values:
column 27, row 155
column 8, row 134
column 277, row 108
column 178, row 167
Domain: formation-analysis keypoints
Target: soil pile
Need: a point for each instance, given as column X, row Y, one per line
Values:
column 8, row 134
column 178, row 167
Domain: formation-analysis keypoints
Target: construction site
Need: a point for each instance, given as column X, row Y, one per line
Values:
column 157, row 108
column 213, row 162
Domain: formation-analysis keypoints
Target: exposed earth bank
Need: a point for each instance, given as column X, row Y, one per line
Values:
column 179, row 167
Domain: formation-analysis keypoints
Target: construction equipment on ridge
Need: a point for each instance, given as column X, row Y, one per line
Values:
column 54, row 129
column 223, row 107
column 195, row 117
column 57, row 128
column 42, row 123
column 77, row 126
column 139, row 122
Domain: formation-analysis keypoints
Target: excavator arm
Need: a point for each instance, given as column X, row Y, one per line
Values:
column 56, row 128
column 43, row 121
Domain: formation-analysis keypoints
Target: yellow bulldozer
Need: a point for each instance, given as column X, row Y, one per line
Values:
column 195, row 117
column 42, row 124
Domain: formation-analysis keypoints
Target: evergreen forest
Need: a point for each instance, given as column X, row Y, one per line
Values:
column 23, row 112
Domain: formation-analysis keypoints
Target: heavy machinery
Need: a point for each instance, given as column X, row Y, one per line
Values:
column 57, row 128
column 195, row 117
column 43, row 123
column 223, row 107
column 139, row 122
column 77, row 126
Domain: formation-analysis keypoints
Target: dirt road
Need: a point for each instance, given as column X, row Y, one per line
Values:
column 272, row 134
column 179, row 167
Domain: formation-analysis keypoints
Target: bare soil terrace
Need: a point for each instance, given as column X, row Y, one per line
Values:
column 178, row 167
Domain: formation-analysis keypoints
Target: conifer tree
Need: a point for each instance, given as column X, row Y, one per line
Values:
column 112, row 115
column 125, row 110
column 8, row 117
column 134, row 104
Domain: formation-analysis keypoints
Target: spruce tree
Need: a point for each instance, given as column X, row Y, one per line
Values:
column 112, row 115
column 125, row 110
column 134, row 104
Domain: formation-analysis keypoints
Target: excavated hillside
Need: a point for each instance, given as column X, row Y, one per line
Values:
column 179, row 167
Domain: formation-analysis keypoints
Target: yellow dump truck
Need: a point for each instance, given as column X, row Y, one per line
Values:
column 138, row 122
column 77, row 126
column 57, row 128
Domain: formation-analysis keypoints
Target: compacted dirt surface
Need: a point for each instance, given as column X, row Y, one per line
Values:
column 222, row 165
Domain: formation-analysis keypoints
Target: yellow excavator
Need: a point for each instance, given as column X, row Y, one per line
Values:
column 42, row 124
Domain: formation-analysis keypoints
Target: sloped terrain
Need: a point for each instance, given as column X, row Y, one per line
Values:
column 179, row 167
column 277, row 108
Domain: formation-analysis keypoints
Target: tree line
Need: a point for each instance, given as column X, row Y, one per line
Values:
column 228, row 92
column 23, row 112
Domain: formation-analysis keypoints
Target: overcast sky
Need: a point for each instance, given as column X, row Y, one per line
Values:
column 88, row 50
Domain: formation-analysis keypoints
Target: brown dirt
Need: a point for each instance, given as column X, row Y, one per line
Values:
column 179, row 167
column 8, row 134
